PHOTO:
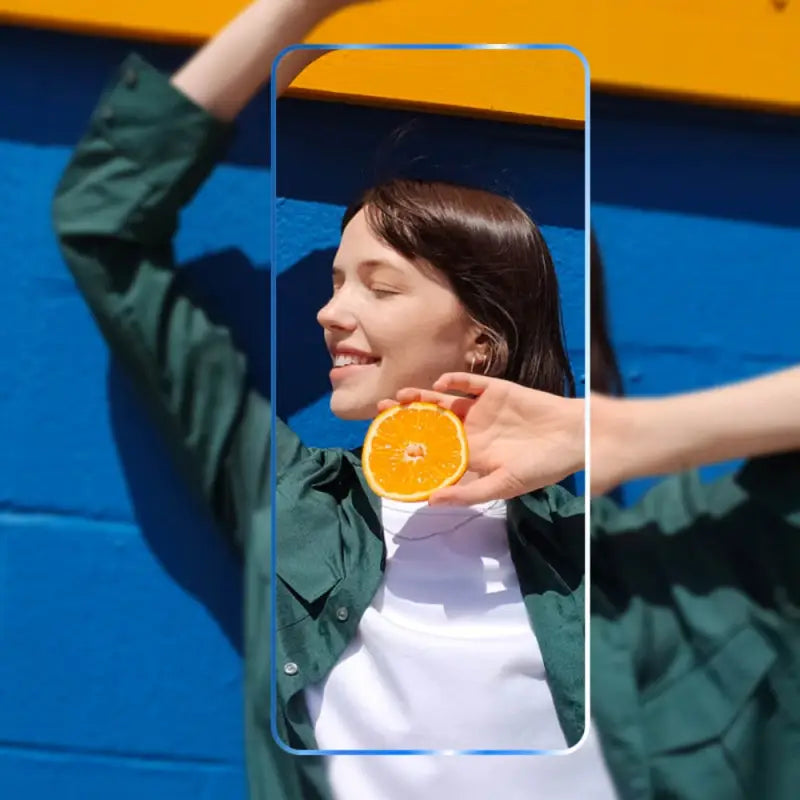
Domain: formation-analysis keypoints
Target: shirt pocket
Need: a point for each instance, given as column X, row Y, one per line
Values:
column 308, row 561
column 304, row 582
column 703, row 703
column 295, row 602
column 702, row 730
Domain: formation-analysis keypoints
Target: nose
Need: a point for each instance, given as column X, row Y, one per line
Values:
column 335, row 315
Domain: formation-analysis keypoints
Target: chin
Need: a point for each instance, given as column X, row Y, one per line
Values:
column 352, row 411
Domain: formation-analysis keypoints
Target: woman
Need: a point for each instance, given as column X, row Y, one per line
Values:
column 375, row 650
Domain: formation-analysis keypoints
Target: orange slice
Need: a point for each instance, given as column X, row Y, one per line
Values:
column 412, row 450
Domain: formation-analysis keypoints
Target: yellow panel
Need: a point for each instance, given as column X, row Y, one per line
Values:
column 500, row 83
column 736, row 53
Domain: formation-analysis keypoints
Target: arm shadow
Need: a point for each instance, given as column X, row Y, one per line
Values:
column 177, row 528
column 748, row 549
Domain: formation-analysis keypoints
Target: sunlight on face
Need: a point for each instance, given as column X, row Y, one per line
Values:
column 388, row 324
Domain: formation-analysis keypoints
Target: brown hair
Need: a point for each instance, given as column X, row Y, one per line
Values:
column 496, row 261
column 605, row 375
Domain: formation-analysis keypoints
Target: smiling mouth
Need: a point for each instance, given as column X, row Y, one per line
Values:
column 349, row 360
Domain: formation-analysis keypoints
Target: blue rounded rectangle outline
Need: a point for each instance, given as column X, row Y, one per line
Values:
column 273, row 394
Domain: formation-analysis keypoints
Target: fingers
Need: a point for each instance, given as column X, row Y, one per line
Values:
column 464, row 382
column 496, row 485
column 412, row 395
column 384, row 404
column 458, row 405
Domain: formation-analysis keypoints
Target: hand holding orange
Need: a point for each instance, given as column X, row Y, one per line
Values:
column 520, row 439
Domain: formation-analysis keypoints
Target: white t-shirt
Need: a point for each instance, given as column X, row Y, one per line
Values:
column 445, row 659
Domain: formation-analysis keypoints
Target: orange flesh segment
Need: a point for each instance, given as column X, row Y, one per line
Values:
column 410, row 451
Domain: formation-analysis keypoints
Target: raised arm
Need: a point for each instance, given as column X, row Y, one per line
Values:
column 149, row 146
column 227, row 72
column 521, row 439
column 637, row 437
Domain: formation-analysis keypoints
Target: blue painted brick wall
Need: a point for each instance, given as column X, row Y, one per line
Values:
column 119, row 604
column 697, row 214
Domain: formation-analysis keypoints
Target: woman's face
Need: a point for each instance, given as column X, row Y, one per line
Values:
column 388, row 324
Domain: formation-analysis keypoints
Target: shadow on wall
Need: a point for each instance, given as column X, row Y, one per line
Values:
column 710, row 162
column 237, row 293
column 303, row 362
column 541, row 168
column 178, row 529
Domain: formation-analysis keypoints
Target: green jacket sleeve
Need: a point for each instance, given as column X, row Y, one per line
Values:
column 147, row 150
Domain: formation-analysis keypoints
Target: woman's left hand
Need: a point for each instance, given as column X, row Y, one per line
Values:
column 519, row 439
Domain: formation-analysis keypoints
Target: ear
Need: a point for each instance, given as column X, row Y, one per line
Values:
column 479, row 345
column 483, row 344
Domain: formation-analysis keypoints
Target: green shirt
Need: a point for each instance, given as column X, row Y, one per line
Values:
column 695, row 605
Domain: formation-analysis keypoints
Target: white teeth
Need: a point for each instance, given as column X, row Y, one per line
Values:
column 346, row 359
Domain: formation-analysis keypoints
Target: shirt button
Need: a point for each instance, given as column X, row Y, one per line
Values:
column 290, row 668
column 342, row 614
column 130, row 78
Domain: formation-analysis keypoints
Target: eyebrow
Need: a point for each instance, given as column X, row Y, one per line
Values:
column 371, row 264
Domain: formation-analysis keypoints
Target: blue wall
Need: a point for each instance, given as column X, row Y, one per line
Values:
column 697, row 215
column 119, row 604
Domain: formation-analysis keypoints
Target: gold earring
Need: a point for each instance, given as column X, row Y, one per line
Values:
column 480, row 358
